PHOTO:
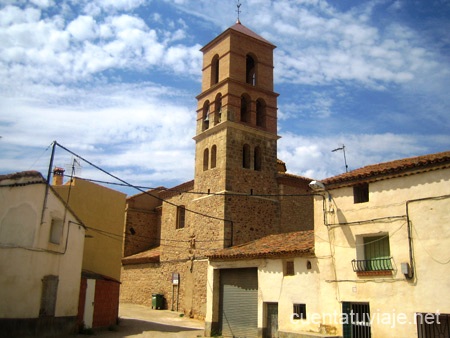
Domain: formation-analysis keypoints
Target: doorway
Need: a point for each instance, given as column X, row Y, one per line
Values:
column 271, row 320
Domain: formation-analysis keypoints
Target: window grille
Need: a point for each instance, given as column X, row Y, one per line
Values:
column 299, row 311
column 431, row 325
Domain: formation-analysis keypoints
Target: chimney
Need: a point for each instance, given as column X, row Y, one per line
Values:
column 58, row 176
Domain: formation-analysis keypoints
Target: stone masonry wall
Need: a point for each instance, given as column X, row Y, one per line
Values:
column 141, row 281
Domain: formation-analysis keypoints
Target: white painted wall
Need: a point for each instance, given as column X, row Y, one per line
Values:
column 27, row 256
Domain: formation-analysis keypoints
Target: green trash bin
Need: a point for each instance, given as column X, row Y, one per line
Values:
column 157, row 301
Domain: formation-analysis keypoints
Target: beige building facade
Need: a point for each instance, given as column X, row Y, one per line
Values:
column 41, row 245
column 102, row 211
column 383, row 236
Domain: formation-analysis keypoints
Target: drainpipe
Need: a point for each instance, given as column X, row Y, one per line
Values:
column 411, row 253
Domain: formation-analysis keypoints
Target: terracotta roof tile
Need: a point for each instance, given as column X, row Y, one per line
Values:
column 300, row 243
column 389, row 169
column 22, row 177
column 149, row 256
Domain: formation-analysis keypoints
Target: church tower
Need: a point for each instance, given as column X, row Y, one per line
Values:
column 236, row 132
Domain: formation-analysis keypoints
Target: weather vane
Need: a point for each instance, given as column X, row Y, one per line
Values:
column 238, row 5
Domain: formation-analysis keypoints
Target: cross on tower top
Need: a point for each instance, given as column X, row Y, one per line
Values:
column 238, row 5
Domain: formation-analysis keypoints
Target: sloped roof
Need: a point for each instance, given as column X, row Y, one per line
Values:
column 22, row 178
column 240, row 28
column 391, row 169
column 149, row 256
column 299, row 243
column 244, row 30
column 25, row 178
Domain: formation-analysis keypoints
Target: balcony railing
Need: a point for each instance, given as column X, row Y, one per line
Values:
column 375, row 264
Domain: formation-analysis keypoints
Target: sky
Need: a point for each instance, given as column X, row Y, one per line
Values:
column 115, row 81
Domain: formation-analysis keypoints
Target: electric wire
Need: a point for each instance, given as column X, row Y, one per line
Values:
column 137, row 188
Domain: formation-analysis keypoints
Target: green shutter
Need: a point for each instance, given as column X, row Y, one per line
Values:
column 376, row 251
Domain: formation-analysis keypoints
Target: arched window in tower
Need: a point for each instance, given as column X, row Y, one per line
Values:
column 250, row 70
column 205, row 159
column 260, row 113
column 213, row 156
column 245, row 108
column 257, row 155
column 215, row 70
column 205, row 116
column 218, row 107
column 246, row 156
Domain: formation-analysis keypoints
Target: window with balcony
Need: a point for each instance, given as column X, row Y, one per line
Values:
column 374, row 258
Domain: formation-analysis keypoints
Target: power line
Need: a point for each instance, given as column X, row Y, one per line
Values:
column 136, row 187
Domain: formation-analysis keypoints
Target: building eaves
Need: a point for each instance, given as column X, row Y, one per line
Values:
column 148, row 256
column 241, row 29
column 153, row 191
column 22, row 178
column 25, row 178
column 179, row 189
column 299, row 243
column 385, row 170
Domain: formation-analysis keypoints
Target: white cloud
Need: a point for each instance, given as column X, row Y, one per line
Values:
column 313, row 157
column 82, row 28
column 119, row 126
column 43, row 3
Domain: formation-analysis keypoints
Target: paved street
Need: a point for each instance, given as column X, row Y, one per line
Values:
column 143, row 321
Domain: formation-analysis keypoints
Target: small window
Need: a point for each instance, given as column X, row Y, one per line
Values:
column 205, row 159
column 361, row 193
column 218, row 107
column 246, row 156
column 48, row 296
column 215, row 70
column 181, row 215
column 289, row 268
column 56, row 231
column 260, row 113
column 250, row 70
column 299, row 311
column 245, row 109
column 213, row 156
column 205, row 116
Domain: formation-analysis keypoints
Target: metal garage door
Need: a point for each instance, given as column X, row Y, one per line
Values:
column 239, row 302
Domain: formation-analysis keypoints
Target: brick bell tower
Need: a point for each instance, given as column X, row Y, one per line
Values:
column 236, row 132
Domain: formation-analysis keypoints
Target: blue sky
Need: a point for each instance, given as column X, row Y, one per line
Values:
column 115, row 82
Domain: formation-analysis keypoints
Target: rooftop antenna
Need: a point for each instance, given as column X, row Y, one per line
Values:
column 238, row 5
column 74, row 167
column 345, row 159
